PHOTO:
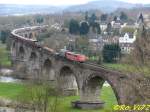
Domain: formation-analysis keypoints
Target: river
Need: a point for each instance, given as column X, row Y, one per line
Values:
column 6, row 71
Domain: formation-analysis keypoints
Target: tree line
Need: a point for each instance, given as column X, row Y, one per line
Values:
column 83, row 28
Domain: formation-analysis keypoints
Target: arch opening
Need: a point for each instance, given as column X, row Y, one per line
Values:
column 21, row 53
column 13, row 45
column 26, row 35
column 67, row 81
column 33, row 59
column 48, row 71
column 47, row 64
column 33, row 66
column 108, row 95
column 98, row 90
column 33, row 56
column 30, row 36
column 13, row 50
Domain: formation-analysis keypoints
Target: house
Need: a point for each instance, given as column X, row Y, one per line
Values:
column 126, row 42
column 103, row 26
column 56, row 26
column 116, row 25
column 129, row 24
column 110, row 40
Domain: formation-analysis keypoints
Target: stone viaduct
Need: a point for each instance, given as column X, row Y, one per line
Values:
column 39, row 62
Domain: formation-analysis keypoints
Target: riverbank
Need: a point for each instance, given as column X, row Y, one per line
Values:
column 6, row 71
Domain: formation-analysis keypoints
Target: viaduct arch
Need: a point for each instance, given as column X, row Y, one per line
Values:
column 71, row 77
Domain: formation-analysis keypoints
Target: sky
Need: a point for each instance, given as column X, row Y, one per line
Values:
column 62, row 2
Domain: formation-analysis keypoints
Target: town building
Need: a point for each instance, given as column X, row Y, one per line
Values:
column 103, row 26
column 126, row 42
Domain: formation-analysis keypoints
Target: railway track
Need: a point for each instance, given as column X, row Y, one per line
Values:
column 99, row 66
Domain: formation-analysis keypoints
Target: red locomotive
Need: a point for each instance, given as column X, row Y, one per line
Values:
column 73, row 56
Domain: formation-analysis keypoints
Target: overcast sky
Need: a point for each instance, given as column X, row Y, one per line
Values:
column 62, row 2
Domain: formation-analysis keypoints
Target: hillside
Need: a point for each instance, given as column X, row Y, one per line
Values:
column 103, row 5
column 11, row 9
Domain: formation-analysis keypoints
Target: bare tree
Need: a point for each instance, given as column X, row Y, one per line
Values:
column 40, row 97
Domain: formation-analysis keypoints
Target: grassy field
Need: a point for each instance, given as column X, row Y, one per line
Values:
column 121, row 67
column 107, row 95
column 4, row 59
column 12, row 90
column 129, row 68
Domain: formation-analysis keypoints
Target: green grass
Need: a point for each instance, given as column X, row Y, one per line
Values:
column 12, row 90
column 128, row 68
column 107, row 95
column 4, row 56
column 120, row 67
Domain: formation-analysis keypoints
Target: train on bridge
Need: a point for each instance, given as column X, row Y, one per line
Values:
column 73, row 56
column 69, row 55
column 63, row 53
column 40, row 62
